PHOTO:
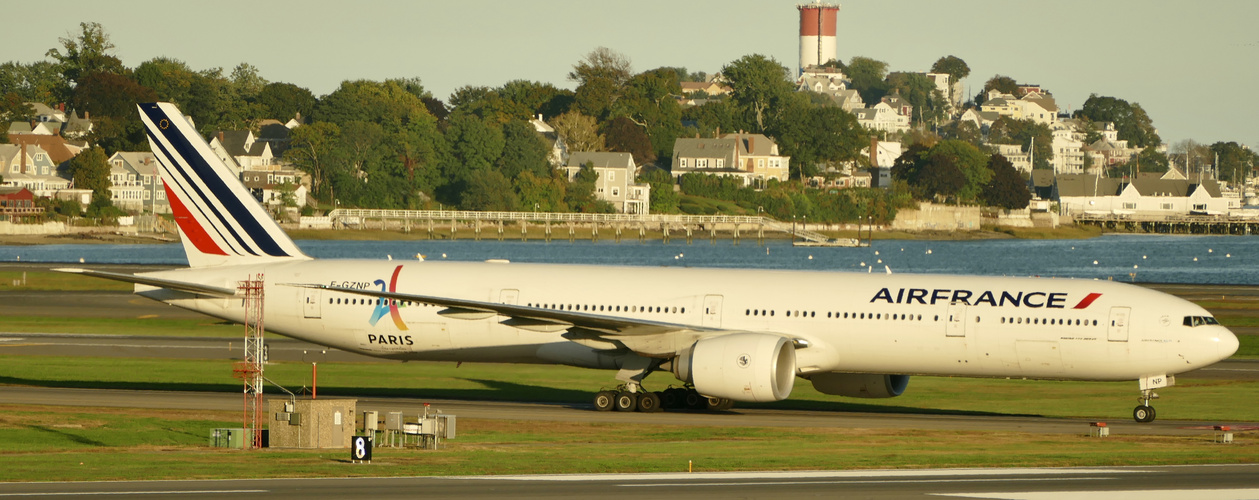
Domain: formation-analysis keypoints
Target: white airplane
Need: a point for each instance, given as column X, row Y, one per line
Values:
column 729, row 335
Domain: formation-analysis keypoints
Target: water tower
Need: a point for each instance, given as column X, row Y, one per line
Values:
column 817, row 33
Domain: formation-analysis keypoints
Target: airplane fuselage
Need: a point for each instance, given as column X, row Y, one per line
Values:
column 851, row 322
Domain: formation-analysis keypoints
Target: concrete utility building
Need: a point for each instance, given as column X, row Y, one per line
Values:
column 312, row 423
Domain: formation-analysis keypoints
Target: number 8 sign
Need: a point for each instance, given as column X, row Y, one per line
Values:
column 361, row 449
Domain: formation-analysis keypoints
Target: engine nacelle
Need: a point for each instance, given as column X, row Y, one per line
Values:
column 753, row 367
column 860, row 385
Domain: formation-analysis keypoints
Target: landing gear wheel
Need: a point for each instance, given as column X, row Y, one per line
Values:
column 1143, row 413
column 694, row 401
column 649, row 402
column 673, row 399
column 625, row 401
column 604, row 400
column 718, row 404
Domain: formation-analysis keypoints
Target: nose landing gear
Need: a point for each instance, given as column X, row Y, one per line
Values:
column 1144, row 413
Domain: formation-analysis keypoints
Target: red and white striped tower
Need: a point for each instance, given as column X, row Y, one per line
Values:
column 817, row 33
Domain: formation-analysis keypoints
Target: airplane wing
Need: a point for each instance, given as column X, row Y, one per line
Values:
column 183, row 286
column 595, row 330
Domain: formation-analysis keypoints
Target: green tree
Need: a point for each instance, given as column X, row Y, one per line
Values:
column 1001, row 83
column 1131, row 122
column 1007, row 130
column 313, row 149
column 283, row 101
column 1007, row 188
column 392, row 103
column 935, row 172
column 87, row 53
column 626, row 136
column 39, row 81
column 579, row 132
column 759, row 85
column 867, row 77
column 580, row 195
column 664, row 200
column 14, row 109
column 523, row 151
column 954, row 66
column 90, row 170
column 599, row 76
column 812, row 136
column 649, row 100
column 475, row 143
column 962, row 130
column 1151, row 160
column 247, row 81
column 170, row 79
column 929, row 104
column 489, row 190
column 544, row 193
column 1233, row 161
column 713, row 118
column 111, row 99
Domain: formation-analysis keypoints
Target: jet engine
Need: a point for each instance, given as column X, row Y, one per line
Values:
column 860, row 385
column 754, row 367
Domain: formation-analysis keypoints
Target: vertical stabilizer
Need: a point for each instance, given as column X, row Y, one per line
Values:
column 219, row 221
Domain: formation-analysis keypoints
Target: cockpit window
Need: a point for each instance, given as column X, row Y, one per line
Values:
column 1200, row 320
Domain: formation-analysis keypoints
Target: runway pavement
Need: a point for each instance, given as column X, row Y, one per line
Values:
column 1225, row 482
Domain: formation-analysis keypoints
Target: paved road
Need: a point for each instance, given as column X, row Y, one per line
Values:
column 1230, row 482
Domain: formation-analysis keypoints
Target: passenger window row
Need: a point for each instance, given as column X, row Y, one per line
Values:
column 611, row 308
column 1047, row 321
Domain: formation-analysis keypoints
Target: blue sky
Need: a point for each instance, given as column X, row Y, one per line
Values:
column 1189, row 64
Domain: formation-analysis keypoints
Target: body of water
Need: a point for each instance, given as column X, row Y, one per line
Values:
column 1157, row 258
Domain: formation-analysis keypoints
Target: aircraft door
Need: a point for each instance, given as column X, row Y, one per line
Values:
column 1118, row 329
column 508, row 296
column 312, row 298
column 956, row 324
column 712, row 311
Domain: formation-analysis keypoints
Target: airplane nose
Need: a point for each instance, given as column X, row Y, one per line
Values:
column 1227, row 343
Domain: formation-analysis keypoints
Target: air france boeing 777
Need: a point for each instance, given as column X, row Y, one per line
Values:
column 729, row 335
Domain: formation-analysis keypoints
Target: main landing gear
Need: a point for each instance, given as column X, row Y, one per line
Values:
column 1144, row 412
column 633, row 398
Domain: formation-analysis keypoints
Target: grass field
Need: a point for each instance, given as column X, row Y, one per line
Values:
column 56, row 444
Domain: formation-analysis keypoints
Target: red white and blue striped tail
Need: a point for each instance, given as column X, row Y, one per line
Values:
column 219, row 221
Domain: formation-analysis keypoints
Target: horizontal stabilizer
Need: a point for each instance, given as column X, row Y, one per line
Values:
column 182, row 286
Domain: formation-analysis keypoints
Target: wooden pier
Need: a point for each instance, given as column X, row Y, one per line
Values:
column 1171, row 224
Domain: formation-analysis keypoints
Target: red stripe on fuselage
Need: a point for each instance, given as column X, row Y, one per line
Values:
column 191, row 228
column 1088, row 301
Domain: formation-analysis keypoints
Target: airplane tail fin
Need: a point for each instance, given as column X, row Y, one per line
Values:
column 219, row 221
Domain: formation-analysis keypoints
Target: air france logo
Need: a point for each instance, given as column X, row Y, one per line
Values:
column 388, row 306
column 999, row 298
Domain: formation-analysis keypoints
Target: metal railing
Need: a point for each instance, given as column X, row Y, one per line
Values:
column 342, row 214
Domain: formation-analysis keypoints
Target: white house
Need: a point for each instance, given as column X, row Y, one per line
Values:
column 882, row 116
column 1148, row 194
column 136, row 184
column 240, row 150
column 29, row 166
column 616, row 180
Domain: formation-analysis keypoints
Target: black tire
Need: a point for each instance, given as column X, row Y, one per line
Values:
column 604, row 400
column 672, row 398
column 694, row 401
column 720, row 404
column 625, row 401
column 1143, row 414
column 649, row 402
